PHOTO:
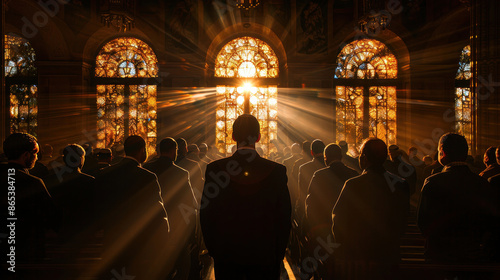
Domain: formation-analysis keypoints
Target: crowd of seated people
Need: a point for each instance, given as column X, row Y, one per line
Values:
column 348, row 212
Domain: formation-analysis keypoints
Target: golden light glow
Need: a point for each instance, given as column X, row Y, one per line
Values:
column 20, row 63
column 246, row 57
column 126, row 58
column 366, row 59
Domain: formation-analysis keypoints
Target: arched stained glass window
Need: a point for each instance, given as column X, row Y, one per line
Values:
column 21, row 80
column 365, row 80
column 126, row 105
column 463, row 104
column 242, row 65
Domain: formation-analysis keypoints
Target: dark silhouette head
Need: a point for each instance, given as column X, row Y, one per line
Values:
column 344, row 147
column 135, row 147
column 452, row 147
column 168, row 148
column 246, row 130
column 74, row 156
column 21, row 148
column 333, row 152
column 203, row 149
column 181, row 146
column 296, row 149
column 373, row 153
column 412, row 151
column 497, row 153
column 306, row 148
column 317, row 148
column 490, row 156
column 104, row 155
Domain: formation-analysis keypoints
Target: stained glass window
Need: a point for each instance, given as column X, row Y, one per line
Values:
column 20, row 78
column 463, row 105
column 365, row 110
column 249, row 58
column 128, row 107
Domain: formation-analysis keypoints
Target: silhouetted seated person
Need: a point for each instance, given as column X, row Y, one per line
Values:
column 74, row 195
column 306, row 171
column 193, row 152
column 370, row 216
column 455, row 207
column 398, row 164
column 490, row 160
column 245, row 210
column 180, row 203
column 104, row 158
column 90, row 165
column 347, row 159
column 118, row 153
column 34, row 209
column 433, row 168
column 305, row 157
column 133, row 217
column 193, row 167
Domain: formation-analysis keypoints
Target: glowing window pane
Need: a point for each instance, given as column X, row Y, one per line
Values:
column 369, row 60
column 463, row 104
column 246, row 57
column 126, row 58
column 20, row 64
column 126, row 110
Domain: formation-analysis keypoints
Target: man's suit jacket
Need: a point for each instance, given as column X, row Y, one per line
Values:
column 370, row 216
column 324, row 190
column 33, row 208
column 195, row 175
column 306, row 171
column 454, row 213
column 134, row 219
column 245, row 211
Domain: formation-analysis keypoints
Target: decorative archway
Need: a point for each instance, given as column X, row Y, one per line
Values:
column 21, row 83
column 246, row 69
column 126, row 92
column 366, row 79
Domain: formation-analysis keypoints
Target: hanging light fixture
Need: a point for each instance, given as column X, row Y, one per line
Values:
column 247, row 4
column 118, row 13
column 373, row 22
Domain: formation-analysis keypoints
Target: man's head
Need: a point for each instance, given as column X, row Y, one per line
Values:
column 135, row 147
column 428, row 160
column 168, row 148
column 490, row 156
column 394, row 152
column 344, row 147
column 296, row 149
column 181, row 146
column 333, row 152
column 104, row 155
column 21, row 148
column 317, row 148
column 47, row 150
column 452, row 147
column 306, row 148
column 74, row 156
column 203, row 149
column 246, row 130
column 373, row 153
column 497, row 153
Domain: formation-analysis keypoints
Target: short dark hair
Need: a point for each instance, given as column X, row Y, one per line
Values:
column 103, row 154
column 317, row 146
column 17, row 144
column 490, row 153
column 375, row 151
column 246, row 128
column 69, row 155
column 333, row 152
column 133, row 144
column 454, row 146
column 181, row 143
column 167, row 144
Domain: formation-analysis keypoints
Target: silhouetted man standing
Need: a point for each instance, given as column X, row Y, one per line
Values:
column 245, row 210
column 370, row 215
column 135, row 221
column 455, row 207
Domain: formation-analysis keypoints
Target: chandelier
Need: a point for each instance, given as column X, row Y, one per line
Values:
column 247, row 4
column 373, row 23
column 118, row 13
